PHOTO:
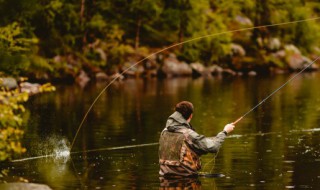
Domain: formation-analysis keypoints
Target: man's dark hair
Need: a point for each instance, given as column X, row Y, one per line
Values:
column 185, row 108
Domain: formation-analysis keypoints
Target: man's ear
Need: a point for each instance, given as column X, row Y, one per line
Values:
column 189, row 119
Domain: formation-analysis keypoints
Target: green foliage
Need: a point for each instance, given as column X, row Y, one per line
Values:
column 11, row 40
column 212, row 48
column 10, row 123
column 106, row 33
column 14, row 49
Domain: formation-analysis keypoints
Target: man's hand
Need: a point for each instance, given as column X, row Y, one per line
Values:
column 228, row 128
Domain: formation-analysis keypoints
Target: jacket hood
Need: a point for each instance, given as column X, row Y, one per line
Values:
column 176, row 121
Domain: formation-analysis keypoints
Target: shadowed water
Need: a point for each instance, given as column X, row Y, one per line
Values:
column 274, row 147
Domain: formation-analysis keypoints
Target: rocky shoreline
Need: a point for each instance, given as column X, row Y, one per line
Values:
column 167, row 65
column 288, row 59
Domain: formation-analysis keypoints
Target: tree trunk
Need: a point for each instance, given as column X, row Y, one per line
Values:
column 263, row 15
column 82, row 9
column 139, row 23
column 83, row 4
column 137, row 39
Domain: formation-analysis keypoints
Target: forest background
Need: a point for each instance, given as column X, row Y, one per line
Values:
column 60, row 40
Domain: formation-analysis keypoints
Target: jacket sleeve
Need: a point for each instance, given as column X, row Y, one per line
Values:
column 203, row 145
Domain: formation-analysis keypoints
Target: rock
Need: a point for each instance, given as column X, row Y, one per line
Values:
column 102, row 54
column 274, row 44
column 117, row 76
column 278, row 70
column 23, row 186
column 252, row 73
column 9, row 83
column 308, row 61
column 279, row 54
column 229, row 71
column 215, row 69
column 237, row 49
column 101, row 76
column 132, row 71
column 292, row 49
column 243, row 20
column 57, row 59
column 200, row 70
column 82, row 79
column 295, row 61
column 30, row 88
column 172, row 67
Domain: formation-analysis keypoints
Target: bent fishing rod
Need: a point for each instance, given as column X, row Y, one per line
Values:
column 275, row 91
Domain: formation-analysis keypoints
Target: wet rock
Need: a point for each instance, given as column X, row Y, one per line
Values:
column 252, row 73
column 101, row 76
column 9, row 83
column 309, row 61
column 30, row 88
column 229, row 71
column 117, row 76
column 296, row 61
column 82, row 79
column 278, row 70
column 199, row 69
column 151, row 67
column 132, row 70
column 23, row 186
column 215, row 69
column 173, row 67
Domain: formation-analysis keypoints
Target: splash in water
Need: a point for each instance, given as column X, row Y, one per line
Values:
column 54, row 147
column 61, row 149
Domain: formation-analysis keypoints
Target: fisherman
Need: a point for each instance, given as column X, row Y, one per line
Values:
column 181, row 146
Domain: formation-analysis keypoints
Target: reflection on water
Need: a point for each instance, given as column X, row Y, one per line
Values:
column 178, row 184
column 275, row 147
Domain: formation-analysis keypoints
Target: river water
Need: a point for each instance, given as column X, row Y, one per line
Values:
column 277, row 146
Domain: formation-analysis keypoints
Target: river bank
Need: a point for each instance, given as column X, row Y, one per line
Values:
column 281, row 60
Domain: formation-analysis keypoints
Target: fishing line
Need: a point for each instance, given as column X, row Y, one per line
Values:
column 211, row 160
column 116, row 148
column 169, row 47
column 86, row 151
column 275, row 91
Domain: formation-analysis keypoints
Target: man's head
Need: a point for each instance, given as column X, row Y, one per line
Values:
column 185, row 108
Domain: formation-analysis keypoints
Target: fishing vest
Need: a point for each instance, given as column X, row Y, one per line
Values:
column 174, row 150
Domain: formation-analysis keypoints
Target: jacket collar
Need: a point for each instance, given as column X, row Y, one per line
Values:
column 179, row 118
column 176, row 121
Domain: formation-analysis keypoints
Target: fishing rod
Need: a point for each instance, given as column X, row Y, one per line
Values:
column 172, row 46
column 275, row 91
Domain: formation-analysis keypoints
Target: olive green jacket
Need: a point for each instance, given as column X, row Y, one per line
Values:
column 171, row 143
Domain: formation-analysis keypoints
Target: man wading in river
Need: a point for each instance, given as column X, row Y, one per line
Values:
column 181, row 147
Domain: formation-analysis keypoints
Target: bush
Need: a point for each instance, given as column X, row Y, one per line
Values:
column 11, row 123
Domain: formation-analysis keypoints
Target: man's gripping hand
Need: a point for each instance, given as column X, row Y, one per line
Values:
column 228, row 128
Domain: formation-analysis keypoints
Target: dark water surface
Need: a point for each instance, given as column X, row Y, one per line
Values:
column 277, row 146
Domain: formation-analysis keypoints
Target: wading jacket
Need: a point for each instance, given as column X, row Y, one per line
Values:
column 180, row 148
